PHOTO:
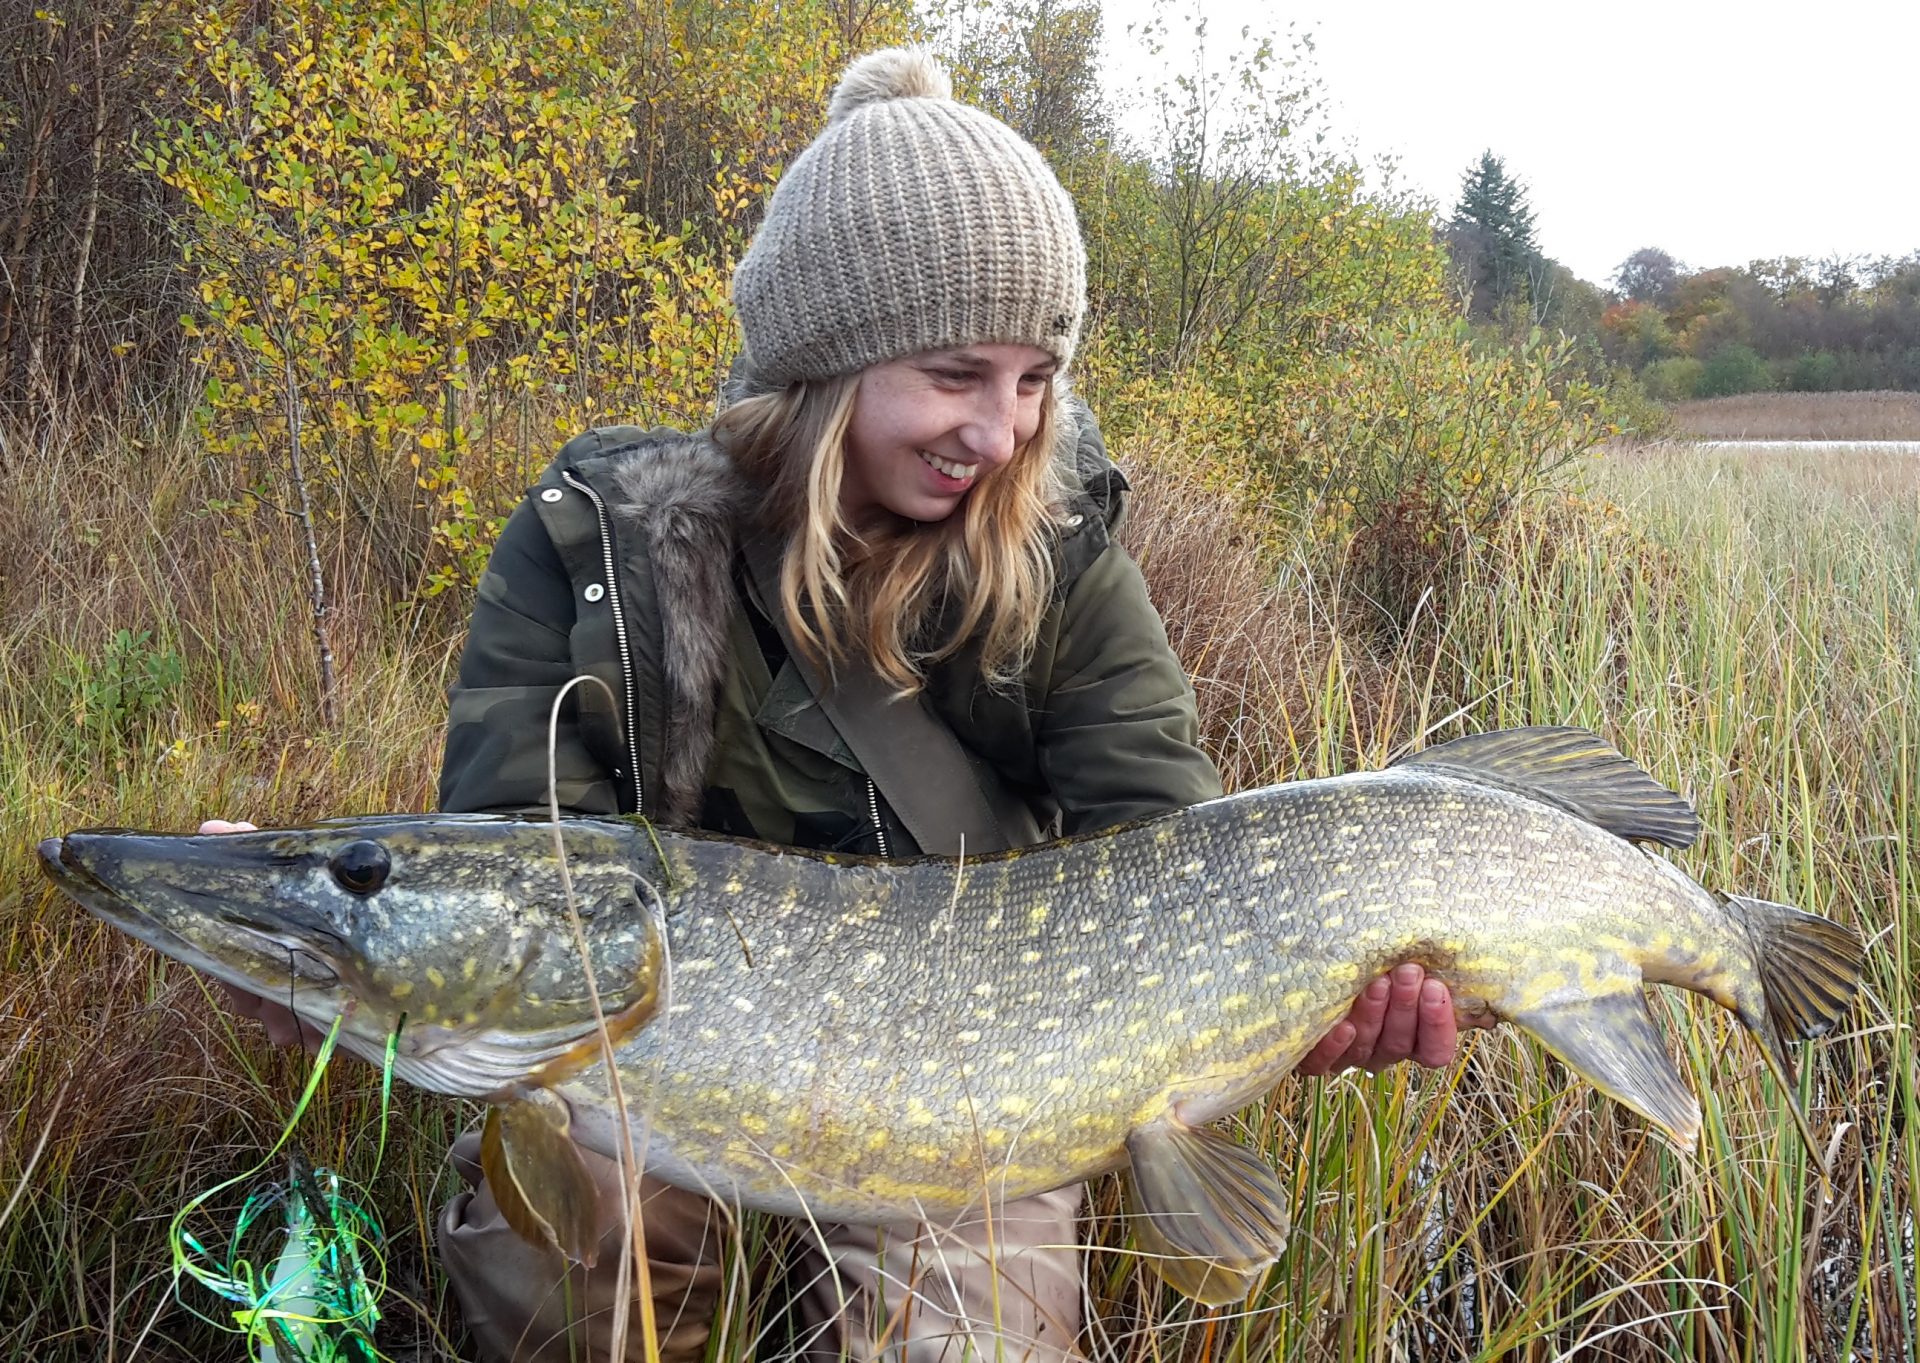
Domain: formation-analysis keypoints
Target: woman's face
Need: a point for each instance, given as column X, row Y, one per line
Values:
column 927, row 428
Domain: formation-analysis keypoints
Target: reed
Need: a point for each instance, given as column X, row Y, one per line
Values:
column 1746, row 626
column 1879, row 415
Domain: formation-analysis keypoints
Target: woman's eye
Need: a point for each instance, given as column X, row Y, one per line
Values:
column 360, row 867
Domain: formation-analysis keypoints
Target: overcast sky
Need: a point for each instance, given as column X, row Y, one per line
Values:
column 1719, row 132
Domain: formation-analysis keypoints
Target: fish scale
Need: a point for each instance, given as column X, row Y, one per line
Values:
column 867, row 1041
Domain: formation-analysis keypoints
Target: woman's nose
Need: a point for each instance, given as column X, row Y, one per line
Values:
column 992, row 432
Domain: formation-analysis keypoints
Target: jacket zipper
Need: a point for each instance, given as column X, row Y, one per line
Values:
column 619, row 633
column 873, row 806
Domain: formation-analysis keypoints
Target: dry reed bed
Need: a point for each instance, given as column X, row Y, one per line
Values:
column 1801, row 416
column 1745, row 628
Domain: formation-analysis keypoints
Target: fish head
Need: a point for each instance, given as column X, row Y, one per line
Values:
column 454, row 929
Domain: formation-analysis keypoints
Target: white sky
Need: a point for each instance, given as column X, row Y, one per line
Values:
column 1720, row 132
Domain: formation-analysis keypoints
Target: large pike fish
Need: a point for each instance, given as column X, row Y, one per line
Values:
column 868, row 1041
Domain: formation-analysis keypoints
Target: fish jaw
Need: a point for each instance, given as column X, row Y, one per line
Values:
column 452, row 929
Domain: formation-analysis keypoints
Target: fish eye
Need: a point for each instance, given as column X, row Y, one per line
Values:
column 360, row 867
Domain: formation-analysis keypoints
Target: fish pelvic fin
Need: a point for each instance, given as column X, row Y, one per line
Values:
column 1809, row 970
column 1571, row 769
column 539, row 1179
column 1210, row 1215
column 1611, row 1041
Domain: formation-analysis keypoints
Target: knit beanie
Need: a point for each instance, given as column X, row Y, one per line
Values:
column 912, row 223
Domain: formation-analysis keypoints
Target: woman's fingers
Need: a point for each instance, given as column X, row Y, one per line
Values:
column 1402, row 1016
column 1438, row 1037
column 1401, row 1021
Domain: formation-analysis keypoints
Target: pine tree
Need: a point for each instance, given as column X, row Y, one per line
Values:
column 1490, row 238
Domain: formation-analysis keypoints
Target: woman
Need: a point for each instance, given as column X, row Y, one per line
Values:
column 874, row 609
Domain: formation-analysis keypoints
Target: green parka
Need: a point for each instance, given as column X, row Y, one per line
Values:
column 625, row 564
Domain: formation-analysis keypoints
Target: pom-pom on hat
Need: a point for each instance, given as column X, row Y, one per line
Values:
column 912, row 223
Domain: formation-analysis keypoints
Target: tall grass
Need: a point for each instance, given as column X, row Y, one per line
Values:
column 1749, row 628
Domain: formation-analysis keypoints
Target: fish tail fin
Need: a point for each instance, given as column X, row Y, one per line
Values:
column 1611, row 1041
column 1809, row 970
column 1809, row 966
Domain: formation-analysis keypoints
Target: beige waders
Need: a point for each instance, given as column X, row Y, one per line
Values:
column 899, row 1294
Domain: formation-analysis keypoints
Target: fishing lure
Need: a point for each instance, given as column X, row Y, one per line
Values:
column 300, row 1280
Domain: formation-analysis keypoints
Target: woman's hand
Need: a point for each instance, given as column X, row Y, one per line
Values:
column 284, row 1027
column 1402, row 1016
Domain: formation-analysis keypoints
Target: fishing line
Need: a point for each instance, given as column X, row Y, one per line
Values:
column 633, row 1271
column 310, row 1292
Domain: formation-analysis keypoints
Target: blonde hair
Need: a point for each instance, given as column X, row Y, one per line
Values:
column 905, row 595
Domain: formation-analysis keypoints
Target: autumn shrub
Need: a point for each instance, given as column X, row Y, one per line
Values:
column 1731, row 369
column 1674, row 379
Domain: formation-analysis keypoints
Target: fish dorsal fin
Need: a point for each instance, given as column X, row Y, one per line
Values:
column 1210, row 1215
column 538, row 1178
column 1611, row 1041
column 1573, row 770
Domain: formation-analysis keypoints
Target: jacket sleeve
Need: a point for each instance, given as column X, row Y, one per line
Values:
column 1118, row 734
column 518, row 656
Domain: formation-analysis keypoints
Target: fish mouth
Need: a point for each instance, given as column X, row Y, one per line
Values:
column 298, row 967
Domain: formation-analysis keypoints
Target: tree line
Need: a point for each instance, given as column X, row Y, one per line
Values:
column 1787, row 323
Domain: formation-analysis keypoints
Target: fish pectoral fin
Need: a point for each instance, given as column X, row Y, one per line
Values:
column 1209, row 1214
column 1611, row 1041
column 539, row 1179
column 1573, row 770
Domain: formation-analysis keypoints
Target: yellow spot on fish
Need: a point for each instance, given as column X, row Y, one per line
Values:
column 1152, row 981
column 967, row 1038
column 1199, row 977
column 1235, row 1002
column 878, row 1139
column 734, row 887
column 469, row 968
column 1252, row 1029
column 1037, row 915
column 1016, row 1106
column 402, row 989
column 1140, row 901
column 1265, row 867
column 1333, row 896
column 753, row 1123
column 1296, row 999
column 1233, row 939
column 1175, row 1017
column 435, row 978
column 1030, row 958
